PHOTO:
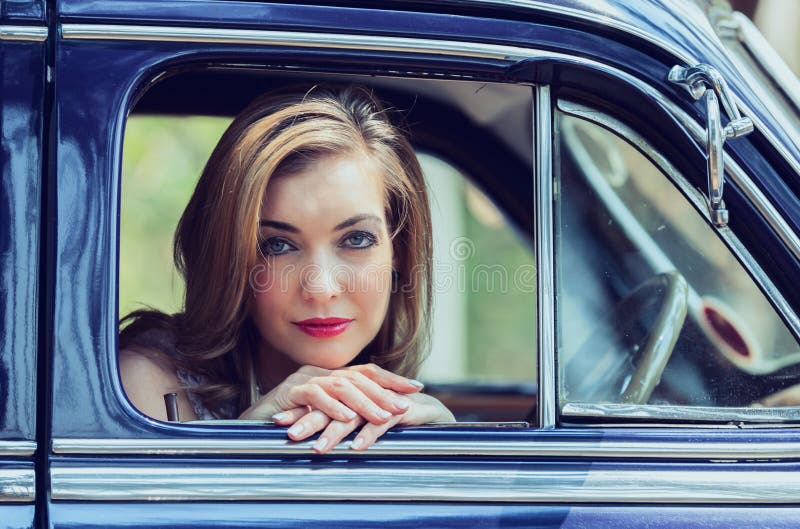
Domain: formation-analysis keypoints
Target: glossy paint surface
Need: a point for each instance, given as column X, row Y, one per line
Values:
column 12, row 11
column 90, row 108
column 21, row 103
column 21, row 114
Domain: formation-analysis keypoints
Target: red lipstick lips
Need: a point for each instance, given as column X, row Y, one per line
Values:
column 324, row 327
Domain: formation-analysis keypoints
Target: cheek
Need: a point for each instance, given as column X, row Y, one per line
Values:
column 270, row 289
column 372, row 287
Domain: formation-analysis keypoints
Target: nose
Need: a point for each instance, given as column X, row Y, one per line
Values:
column 320, row 281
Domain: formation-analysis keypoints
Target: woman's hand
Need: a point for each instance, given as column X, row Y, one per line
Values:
column 423, row 409
column 345, row 395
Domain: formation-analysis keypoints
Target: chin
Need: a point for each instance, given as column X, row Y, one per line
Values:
column 329, row 360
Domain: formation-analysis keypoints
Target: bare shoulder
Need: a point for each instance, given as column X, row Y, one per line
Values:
column 147, row 374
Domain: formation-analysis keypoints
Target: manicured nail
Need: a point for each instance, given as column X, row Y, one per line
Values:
column 296, row 430
column 401, row 404
column 383, row 414
column 350, row 414
column 416, row 383
column 356, row 444
column 321, row 443
column 280, row 416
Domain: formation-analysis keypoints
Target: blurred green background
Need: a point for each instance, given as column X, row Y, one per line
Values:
column 162, row 161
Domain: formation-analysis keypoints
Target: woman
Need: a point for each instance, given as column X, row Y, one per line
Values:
column 306, row 252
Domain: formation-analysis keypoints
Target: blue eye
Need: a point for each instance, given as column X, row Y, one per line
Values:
column 276, row 246
column 359, row 240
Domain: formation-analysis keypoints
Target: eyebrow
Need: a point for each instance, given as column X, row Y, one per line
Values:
column 285, row 226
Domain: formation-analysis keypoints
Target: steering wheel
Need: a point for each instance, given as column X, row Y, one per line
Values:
column 605, row 369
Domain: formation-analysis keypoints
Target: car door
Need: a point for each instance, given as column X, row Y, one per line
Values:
column 22, row 105
column 106, row 457
column 558, row 470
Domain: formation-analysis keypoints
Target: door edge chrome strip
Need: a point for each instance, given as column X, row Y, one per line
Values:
column 17, row 485
column 337, row 482
column 774, row 417
column 543, row 211
column 23, row 33
column 726, row 450
column 17, row 448
column 291, row 38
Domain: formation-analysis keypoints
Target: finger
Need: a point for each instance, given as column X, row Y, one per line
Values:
column 287, row 417
column 334, row 433
column 370, row 433
column 313, row 395
column 308, row 425
column 387, row 379
column 343, row 390
column 386, row 399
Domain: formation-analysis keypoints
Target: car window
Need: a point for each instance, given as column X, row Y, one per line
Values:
column 482, row 361
column 653, row 307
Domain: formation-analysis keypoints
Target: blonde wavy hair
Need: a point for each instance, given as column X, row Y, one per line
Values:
column 216, row 242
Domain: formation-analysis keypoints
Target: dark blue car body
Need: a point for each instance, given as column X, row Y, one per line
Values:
column 73, row 451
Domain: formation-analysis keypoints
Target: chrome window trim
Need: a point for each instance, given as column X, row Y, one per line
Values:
column 731, row 415
column 17, row 485
column 337, row 482
column 291, row 38
column 23, row 33
column 540, row 448
column 17, row 448
column 543, row 213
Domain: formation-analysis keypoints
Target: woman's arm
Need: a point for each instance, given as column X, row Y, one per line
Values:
column 146, row 377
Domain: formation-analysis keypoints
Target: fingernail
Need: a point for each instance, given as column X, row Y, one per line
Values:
column 296, row 430
column 280, row 416
column 356, row 444
column 321, row 443
column 350, row 414
column 401, row 404
column 416, row 383
column 383, row 414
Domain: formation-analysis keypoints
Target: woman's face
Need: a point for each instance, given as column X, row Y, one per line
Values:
column 322, row 291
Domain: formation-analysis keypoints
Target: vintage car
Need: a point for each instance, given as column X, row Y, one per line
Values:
column 633, row 362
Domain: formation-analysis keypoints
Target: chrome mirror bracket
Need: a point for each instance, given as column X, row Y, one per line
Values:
column 697, row 80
